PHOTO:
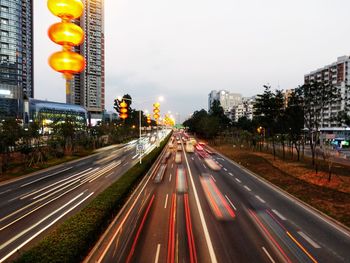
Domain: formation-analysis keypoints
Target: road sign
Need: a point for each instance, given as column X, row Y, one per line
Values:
column 140, row 148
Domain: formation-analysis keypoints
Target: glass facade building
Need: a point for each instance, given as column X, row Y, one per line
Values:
column 88, row 88
column 16, row 55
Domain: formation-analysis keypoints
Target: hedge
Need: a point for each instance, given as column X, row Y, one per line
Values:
column 73, row 239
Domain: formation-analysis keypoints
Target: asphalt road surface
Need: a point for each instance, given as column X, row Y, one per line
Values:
column 206, row 208
column 31, row 206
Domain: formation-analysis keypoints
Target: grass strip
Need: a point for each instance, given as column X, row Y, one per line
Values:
column 72, row 240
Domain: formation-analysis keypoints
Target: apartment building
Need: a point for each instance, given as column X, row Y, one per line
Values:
column 227, row 99
column 336, row 74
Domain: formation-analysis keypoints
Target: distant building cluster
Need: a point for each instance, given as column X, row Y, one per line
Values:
column 235, row 106
column 16, row 62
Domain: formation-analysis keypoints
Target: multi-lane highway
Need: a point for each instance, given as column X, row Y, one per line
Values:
column 211, row 210
column 32, row 205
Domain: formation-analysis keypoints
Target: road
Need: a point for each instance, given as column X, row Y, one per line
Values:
column 31, row 206
column 227, row 215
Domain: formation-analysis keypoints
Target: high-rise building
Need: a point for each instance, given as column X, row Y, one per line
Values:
column 16, row 55
column 88, row 87
column 227, row 99
column 336, row 74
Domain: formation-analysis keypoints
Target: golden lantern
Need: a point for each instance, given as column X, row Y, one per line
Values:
column 67, row 62
column 66, row 9
column 123, row 110
column 66, row 34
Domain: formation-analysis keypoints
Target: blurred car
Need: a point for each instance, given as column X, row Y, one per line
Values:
column 179, row 147
column 181, row 180
column 178, row 157
column 189, row 147
column 212, row 164
column 160, row 173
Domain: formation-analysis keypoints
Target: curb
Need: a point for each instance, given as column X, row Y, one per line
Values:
column 344, row 229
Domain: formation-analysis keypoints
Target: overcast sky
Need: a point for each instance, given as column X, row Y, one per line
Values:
column 183, row 49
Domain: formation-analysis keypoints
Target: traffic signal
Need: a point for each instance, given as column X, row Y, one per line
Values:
column 156, row 111
column 149, row 119
column 123, row 110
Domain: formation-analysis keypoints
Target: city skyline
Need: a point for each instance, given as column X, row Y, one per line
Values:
column 151, row 51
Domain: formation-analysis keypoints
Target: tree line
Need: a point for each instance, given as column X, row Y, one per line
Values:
column 294, row 119
column 29, row 146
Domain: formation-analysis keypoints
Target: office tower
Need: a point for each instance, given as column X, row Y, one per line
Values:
column 88, row 88
column 16, row 55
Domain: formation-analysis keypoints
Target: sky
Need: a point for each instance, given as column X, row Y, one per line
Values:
column 183, row 49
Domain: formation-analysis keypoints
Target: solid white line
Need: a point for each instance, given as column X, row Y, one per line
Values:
column 279, row 215
column 166, row 201
column 239, row 181
column 125, row 163
column 170, row 178
column 42, row 178
column 46, row 227
column 201, row 216
column 230, row 174
column 212, row 177
column 228, row 199
column 157, row 254
column 268, row 255
column 225, row 169
column 246, row 187
column 37, row 223
column 260, row 199
column 308, row 239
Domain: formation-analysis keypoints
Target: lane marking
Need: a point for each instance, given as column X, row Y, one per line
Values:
column 125, row 163
column 46, row 227
column 157, row 253
column 73, row 177
column 279, row 215
column 246, row 187
column 139, row 230
column 302, row 248
column 192, row 158
column 225, row 169
column 44, row 177
column 260, row 199
column 166, row 200
column 204, row 166
column 308, row 239
column 230, row 174
column 212, row 177
column 201, row 216
column 170, row 178
column 123, row 221
column 289, row 197
column 268, row 254
column 239, row 181
column 228, row 199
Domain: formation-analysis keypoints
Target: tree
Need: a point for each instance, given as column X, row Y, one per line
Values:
column 317, row 97
column 217, row 111
column 269, row 109
column 10, row 133
column 294, row 116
